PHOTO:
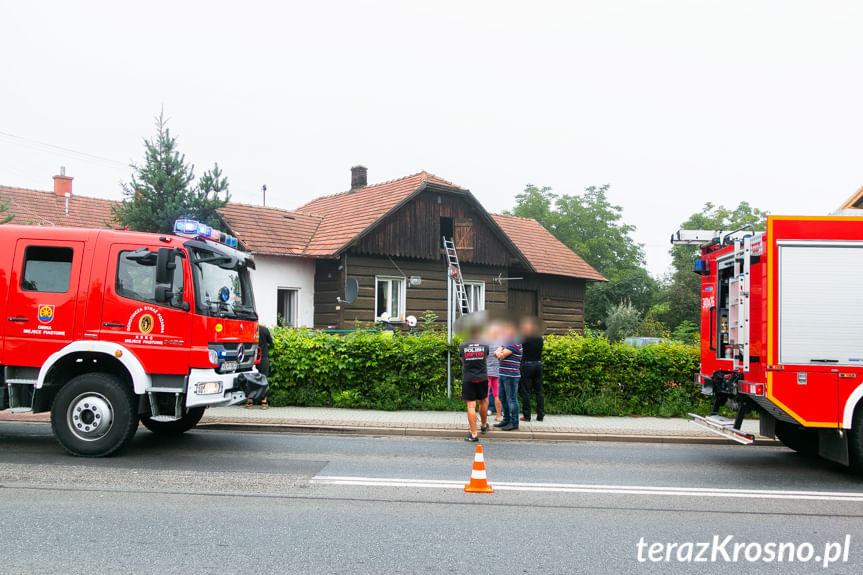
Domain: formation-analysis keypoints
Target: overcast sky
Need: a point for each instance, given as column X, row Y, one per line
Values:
column 672, row 102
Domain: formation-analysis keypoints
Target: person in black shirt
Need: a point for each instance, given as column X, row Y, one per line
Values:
column 265, row 340
column 531, row 369
column 474, row 386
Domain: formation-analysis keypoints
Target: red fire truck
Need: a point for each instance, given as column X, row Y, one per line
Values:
column 105, row 328
column 782, row 332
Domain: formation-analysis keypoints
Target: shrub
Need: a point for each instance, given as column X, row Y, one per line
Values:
column 583, row 375
column 623, row 320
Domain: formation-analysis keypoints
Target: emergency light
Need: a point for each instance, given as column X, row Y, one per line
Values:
column 195, row 229
column 702, row 267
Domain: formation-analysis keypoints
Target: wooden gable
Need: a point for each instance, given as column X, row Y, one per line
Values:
column 415, row 231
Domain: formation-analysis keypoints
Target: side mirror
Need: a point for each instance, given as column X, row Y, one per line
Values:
column 165, row 266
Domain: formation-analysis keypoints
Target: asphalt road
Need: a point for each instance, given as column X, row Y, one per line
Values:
column 221, row 502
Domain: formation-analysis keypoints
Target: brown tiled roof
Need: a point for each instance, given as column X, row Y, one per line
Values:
column 270, row 230
column 546, row 253
column 319, row 229
column 347, row 215
column 46, row 208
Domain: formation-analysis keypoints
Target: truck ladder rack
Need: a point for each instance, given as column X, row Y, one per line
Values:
column 722, row 426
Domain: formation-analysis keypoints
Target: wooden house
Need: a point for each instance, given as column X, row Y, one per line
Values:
column 388, row 237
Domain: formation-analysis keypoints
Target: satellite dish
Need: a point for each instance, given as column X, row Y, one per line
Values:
column 352, row 289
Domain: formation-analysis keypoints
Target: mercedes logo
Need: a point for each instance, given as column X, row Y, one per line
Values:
column 241, row 354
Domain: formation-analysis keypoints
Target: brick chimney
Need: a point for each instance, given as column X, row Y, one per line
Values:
column 359, row 177
column 63, row 184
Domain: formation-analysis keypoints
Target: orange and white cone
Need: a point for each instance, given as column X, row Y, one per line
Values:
column 478, row 482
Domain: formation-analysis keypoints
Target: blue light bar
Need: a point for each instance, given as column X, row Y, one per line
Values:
column 195, row 229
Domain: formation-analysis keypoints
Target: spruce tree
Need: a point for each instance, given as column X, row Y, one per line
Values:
column 163, row 188
column 5, row 215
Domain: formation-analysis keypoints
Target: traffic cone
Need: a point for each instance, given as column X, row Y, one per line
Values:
column 478, row 482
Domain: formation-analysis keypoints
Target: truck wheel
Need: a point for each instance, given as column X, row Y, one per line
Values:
column 182, row 425
column 94, row 415
column 803, row 441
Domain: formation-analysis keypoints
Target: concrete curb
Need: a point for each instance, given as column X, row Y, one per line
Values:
column 503, row 435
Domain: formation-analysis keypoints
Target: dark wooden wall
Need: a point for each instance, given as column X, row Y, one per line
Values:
column 559, row 301
column 329, row 286
column 414, row 232
column 431, row 295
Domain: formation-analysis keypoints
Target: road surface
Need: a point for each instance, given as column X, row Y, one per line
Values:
column 222, row 502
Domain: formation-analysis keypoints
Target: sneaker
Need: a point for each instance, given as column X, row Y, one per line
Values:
column 524, row 418
column 540, row 418
column 509, row 427
column 500, row 424
column 484, row 428
column 489, row 412
column 471, row 438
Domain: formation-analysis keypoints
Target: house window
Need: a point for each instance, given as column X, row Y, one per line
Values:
column 390, row 298
column 286, row 307
column 475, row 295
column 446, row 229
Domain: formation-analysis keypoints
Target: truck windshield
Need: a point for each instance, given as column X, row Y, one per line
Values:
column 222, row 285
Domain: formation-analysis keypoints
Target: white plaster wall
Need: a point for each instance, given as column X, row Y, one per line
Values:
column 272, row 273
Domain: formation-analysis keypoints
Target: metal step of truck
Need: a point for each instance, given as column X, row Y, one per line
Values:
column 722, row 426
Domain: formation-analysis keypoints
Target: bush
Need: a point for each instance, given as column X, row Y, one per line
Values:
column 623, row 320
column 583, row 375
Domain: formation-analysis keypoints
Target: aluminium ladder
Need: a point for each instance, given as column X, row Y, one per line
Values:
column 454, row 272
column 738, row 303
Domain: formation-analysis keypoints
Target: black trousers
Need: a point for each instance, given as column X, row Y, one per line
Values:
column 531, row 384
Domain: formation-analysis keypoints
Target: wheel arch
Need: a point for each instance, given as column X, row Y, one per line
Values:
column 851, row 404
column 75, row 358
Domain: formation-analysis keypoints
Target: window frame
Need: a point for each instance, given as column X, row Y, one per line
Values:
column 469, row 286
column 23, row 287
column 402, row 297
column 295, row 307
column 179, row 271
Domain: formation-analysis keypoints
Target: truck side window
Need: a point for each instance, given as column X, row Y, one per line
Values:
column 47, row 269
column 136, row 279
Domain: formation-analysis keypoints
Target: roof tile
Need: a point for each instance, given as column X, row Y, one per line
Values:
column 46, row 208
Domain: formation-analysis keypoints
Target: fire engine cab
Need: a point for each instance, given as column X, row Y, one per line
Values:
column 108, row 328
column 782, row 332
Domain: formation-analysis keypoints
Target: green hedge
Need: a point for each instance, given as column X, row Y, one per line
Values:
column 583, row 375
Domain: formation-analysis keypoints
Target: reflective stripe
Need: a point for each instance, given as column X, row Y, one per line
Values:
column 478, row 474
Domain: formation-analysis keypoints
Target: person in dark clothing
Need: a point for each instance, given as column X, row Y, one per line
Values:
column 265, row 340
column 531, row 369
column 474, row 386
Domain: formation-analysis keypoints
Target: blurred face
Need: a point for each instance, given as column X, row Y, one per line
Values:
column 528, row 327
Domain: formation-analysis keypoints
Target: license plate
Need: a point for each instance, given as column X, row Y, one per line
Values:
column 229, row 366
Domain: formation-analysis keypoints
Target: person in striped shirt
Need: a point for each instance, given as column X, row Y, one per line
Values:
column 509, row 356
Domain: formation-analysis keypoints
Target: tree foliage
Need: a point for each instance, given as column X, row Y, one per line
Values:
column 683, row 288
column 592, row 227
column 163, row 188
column 5, row 215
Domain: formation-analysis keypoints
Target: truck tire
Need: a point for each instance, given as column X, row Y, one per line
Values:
column 803, row 441
column 182, row 425
column 855, row 440
column 94, row 415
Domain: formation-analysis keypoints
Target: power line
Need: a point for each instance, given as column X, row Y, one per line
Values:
column 44, row 146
